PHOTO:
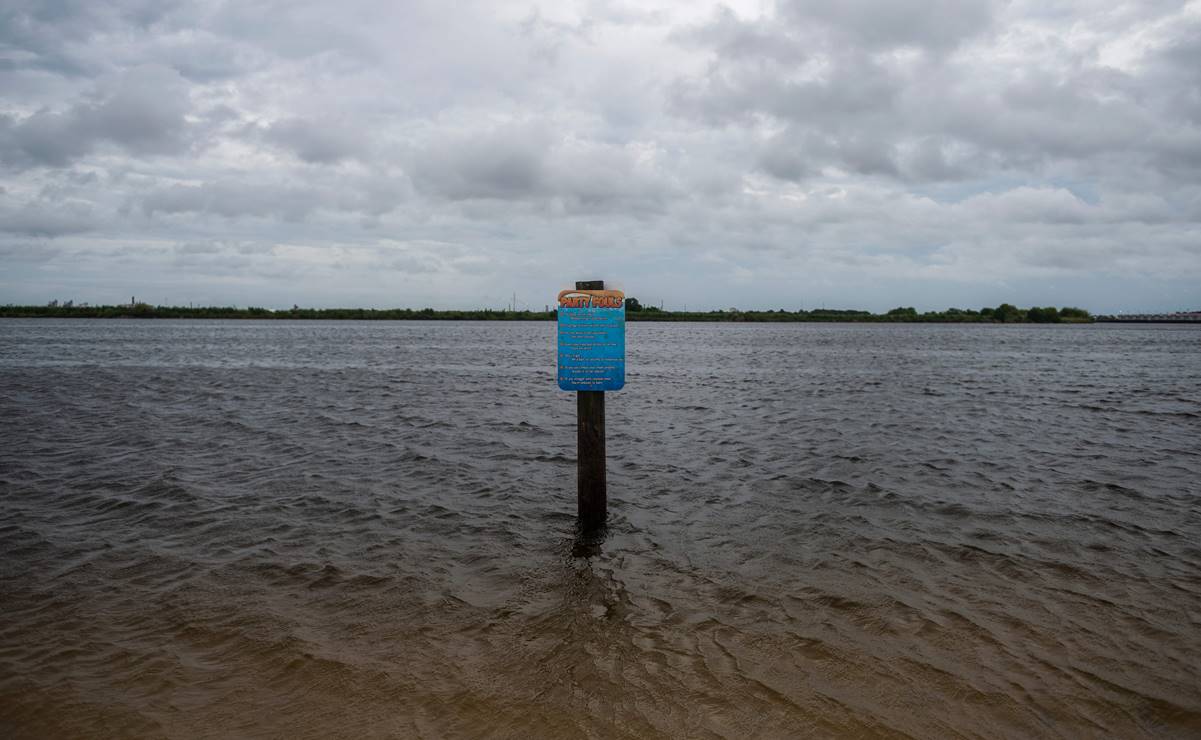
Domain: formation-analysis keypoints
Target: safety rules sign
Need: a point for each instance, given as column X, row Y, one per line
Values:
column 592, row 340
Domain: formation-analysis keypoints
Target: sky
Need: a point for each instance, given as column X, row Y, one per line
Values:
column 758, row 155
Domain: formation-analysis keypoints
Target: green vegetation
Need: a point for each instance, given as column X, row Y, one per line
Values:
column 635, row 311
column 146, row 311
column 1005, row 313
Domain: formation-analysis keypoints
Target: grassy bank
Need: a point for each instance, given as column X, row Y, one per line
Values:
column 1005, row 313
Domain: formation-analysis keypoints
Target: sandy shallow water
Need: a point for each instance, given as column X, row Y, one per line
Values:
column 216, row 529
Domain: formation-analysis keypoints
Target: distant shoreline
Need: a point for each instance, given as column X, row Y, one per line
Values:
column 1003, row 314
column 680, row 317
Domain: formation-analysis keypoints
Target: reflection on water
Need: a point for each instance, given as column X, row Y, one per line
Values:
column 219, row 529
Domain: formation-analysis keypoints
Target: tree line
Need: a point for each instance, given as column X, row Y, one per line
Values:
column 1004, row 314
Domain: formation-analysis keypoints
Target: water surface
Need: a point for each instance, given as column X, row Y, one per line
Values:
column 216, row 529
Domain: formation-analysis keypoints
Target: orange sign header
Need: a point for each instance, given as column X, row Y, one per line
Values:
column 591, row 299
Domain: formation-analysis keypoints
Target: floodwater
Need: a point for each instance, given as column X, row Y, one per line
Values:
column 253, row 529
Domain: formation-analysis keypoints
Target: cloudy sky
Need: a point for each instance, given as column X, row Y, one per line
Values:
column 754, row 154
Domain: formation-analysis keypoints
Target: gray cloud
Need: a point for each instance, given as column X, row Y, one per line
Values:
column 846, row 106
column 259, row 198
column 504, row 163
column 46, row 219
column 233, row 200
column 529, row 162
column 69, row 37
column 731, row 37
column 142, row 112
column 930, row 24
column 857, row 153
column 321, row 142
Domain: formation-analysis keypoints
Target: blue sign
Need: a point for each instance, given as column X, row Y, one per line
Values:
column 592, row 340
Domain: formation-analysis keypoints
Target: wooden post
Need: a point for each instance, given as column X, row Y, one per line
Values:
column 591, row 495
column 591, row 491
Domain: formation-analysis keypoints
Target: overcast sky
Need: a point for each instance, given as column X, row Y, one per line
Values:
column 761, row 154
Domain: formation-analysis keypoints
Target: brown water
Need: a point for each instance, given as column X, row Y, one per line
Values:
column 242, row 529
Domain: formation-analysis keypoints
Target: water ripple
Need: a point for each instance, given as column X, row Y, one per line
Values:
column 214, row 529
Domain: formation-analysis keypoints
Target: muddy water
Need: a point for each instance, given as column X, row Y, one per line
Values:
column 219, row 529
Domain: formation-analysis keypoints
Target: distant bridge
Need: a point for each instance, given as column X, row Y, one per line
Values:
column 1180, row 317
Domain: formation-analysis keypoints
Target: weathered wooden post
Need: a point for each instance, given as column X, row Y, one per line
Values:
column 592, row 495
column 591, row 361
